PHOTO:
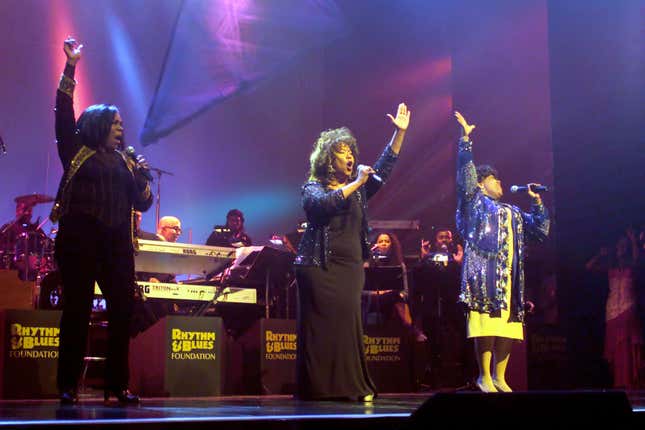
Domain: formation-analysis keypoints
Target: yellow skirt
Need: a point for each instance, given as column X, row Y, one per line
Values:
column 481, row 324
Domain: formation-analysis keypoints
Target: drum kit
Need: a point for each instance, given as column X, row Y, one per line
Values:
column 24, row 246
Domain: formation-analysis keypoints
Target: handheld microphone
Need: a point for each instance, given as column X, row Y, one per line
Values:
column 130, row 152
column 376, row 177
column 524, row 188
column 3, row 147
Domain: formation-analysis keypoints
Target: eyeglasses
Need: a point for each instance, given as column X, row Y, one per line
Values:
column 176, row 228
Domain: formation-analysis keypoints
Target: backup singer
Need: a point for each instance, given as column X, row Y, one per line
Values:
column 99, row 189
column 623, row 327
column 387, row 252
column 492, row 283
column 329, row 265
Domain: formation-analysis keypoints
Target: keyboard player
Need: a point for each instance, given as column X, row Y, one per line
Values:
column 168, row 230
column 232, row 234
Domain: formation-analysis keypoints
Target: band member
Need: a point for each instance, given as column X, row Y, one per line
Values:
column 168, row 230
column 232, row 234
column 443, row 249
column 387, row 252
column 99, row 189
column 149, row 311
column 23, row 245
column 492, row 284
column 437, row 285
column 10, row 231
column 329, row 265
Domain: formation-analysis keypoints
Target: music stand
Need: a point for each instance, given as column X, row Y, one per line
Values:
column 258, row 267
column 384, row 279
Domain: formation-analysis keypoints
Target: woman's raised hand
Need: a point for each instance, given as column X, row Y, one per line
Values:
column 72, row 50
column 465, row 127
column 402, row 119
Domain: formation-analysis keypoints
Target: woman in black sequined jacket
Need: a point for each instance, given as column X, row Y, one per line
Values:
column 329, row 267
column 320, row 204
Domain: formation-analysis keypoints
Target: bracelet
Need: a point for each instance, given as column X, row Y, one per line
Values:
column 66, row 85
column 465, row 145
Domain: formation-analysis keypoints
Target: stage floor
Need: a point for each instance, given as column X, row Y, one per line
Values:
column 388, row 411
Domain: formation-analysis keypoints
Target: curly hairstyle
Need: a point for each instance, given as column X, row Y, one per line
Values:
column 396, row 251
column 94, row 124
column 322, row 157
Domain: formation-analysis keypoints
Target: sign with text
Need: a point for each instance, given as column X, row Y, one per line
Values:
column 387, row 352
column 29, row 356
column 278, row 356
column 178, row 356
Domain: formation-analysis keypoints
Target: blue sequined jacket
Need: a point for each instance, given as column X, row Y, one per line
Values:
column 482, row 222
column 321, row 204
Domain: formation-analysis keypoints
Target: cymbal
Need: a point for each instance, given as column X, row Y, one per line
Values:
column 33, row 199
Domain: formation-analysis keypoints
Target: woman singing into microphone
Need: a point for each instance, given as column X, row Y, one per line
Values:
column 329, row 266
column 98, row 193
column 492, row 283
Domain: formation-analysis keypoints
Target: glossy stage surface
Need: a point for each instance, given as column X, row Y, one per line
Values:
column 388, row 411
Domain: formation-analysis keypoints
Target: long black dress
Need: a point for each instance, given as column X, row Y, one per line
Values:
column 331, row 356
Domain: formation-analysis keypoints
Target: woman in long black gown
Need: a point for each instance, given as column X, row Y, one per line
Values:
column 329, row 266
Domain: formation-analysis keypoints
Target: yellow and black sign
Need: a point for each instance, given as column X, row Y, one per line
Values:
column 29, row 350
column 382, row 348
column 192, row 345
column 277, row 352
column 178, row 356
column 279, row 345
column 29, row 341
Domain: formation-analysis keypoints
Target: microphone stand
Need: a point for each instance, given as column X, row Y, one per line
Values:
column 8, row 226
column 42, row 223
column 3, row 147
column 159, row 172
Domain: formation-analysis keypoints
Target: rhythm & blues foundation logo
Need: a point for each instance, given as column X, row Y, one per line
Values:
column 382, row 348
column 192, row 345
column 34, row 342
column 279, row 346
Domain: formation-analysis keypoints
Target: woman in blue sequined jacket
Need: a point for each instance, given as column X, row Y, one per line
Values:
column 492, row 284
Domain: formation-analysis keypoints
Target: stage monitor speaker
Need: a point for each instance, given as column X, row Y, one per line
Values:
column 526, row 407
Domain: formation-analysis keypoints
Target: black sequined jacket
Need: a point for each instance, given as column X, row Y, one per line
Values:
column 321, row 204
